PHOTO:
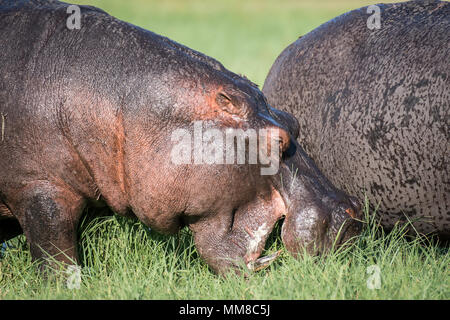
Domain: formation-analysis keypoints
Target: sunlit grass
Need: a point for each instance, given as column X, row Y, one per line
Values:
column 122, row 259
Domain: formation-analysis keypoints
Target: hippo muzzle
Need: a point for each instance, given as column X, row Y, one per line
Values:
column 318, row 230
column 319, row 217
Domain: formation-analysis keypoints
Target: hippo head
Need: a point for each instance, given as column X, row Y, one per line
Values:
column 319, row 217
column 211, row 154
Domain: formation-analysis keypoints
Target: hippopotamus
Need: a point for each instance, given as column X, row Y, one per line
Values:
column 373, row 108
column 88, row 117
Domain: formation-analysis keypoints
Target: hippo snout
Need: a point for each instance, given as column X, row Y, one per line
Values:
column 318, row 229
column 320, row 217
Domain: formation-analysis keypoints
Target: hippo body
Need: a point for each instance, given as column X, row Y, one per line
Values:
column 88, row 116
column 374, row 108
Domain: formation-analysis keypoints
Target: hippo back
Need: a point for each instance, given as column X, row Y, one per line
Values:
column 373, row 107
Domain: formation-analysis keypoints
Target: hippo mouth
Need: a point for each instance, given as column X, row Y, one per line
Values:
column 308, row 231
column 263, row 262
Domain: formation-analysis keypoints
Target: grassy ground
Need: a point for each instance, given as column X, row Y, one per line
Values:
column 121, row 259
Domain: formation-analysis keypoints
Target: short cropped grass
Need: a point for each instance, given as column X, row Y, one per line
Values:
column 123, row 259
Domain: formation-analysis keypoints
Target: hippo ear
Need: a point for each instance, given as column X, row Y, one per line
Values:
column 287, row 120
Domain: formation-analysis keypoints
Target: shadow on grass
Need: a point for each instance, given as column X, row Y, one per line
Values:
column 130, row 235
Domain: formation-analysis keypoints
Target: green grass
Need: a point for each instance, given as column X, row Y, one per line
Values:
column 121, row 259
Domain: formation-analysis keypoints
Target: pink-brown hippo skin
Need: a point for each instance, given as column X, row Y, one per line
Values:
column 373, row 106
column 88, row 115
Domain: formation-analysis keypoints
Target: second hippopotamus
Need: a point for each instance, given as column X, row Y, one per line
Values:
column 373, row 103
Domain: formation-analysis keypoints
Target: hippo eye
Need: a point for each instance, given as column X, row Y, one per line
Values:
column 223, row 97
column 224, row 102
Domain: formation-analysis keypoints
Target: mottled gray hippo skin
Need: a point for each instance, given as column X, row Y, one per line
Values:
column 373, row 107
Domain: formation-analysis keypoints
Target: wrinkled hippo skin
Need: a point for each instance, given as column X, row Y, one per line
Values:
column 373, row 108
column 87, row 118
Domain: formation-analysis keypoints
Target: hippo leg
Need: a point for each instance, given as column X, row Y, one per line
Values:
column 237, row 239
column 49, row 217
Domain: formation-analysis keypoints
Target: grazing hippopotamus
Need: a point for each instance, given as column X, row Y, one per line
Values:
column 88, row 117
column 373, row 107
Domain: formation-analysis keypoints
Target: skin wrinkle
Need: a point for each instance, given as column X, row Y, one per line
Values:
column 62, row 124
column 121, row 154
column 5, row 212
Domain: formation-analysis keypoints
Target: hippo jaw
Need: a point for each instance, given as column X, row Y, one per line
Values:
column 319, row 217
column 234, row 241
